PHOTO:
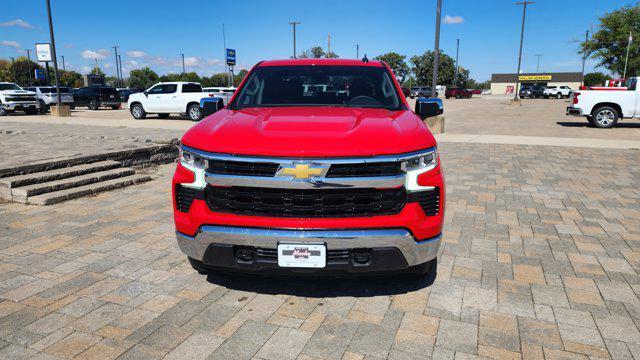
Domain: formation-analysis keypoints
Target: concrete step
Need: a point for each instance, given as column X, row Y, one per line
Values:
column 63, row 173
column 68, row 194
column 21, row 194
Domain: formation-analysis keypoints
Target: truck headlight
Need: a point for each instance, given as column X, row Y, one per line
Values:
column 190, row 159
column 417, row 165
column 197, row 164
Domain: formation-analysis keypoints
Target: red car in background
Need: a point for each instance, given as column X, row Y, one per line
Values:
column 457, row 93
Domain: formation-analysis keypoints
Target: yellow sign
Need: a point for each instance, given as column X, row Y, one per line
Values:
column 301, row 171
column 534, row 77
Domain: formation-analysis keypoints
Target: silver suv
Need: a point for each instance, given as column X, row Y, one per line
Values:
column 421, row 91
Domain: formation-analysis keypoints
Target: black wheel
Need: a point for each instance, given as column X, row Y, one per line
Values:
column 198, row 266
column 591, row 121
column 137, row 111
column 605, row 117
column 72, row 106
column 163, row 115
column 93, row 105
column 193, row 112
column 458, row 96
column 43, row 107
column 559, row 95
column 115, row 107
column 3, row 111
column 447, row 97
column 31, row 111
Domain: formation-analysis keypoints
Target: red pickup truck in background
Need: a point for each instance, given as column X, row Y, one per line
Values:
column 458, row 93
column 315, row 165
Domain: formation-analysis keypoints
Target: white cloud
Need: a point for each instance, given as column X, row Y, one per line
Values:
column 17, row 22
column 136, row 54
column 448, row 19
column 192, row 61
column 92, row 55
column 10, row 43
column 214, row 62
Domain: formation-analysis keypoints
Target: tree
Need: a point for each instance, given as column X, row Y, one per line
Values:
column 317, row 52
column 423, row 70
column 595, row 79
column 305, row 55
column 142, row 78
column 609, row 44
column 396, row 63
column 97, row 71
column 71, row 78
column 332, row 55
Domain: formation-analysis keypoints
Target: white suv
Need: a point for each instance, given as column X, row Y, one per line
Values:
column 557, row 91
column 168, row 98
column 47, row 96
column 14, row 98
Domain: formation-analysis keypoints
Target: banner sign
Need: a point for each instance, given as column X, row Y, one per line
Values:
column 231, row 57
column 43, row 52
column 534, row 77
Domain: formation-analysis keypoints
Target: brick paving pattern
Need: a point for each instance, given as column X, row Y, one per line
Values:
column 540, row 259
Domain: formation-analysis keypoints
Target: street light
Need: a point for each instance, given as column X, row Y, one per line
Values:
column 115, row 48
column 294, row 23
column 183, row 68
column 436, row 55
column 538, row 66
column 29, row 62
column 524, row 14
column 53, row 49
column 357, row 51
column 455, row 78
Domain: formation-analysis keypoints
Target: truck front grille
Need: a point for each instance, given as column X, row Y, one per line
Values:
column 21, row 98
column 305, row 203
column 266, row 169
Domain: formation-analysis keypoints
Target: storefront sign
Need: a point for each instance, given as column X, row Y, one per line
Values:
column 533, row 77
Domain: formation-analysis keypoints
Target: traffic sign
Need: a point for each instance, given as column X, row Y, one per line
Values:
column 40, row 75
column 43, row 52
column 231, row 57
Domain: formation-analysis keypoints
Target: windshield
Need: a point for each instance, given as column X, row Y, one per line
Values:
column 344, row 86
column 53, row 89
column 9, row 87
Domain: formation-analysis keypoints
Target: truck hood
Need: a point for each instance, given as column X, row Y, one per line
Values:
column 310, row 132
column 16, row 92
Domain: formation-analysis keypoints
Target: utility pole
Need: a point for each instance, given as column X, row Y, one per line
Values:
column 115, row 48
column 626, row 59
column 13, row 63
column 524, row 14
column 121, row 76
column 183, row 68
column 538, row 66
column 64, row 69
column 436, row 50
column 224, row 52
column 29, row 61
column 584, row 58
column 53, row 50
column 294, row 23
column 328, row 44
column 455, row 78
column 357, row 51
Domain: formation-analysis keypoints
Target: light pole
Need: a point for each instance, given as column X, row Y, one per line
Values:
column 53, row 50
column 455, row 78
column 183, row 68
column 357, row 51
column 524, row 14
column 13, row 64
column 538, row 66
column 294, row 23
column 121, row 76
column 29, row 61
column 624, row 74
column 584, row 58
column 64, row 69
column 436, row 55
column 115, row 48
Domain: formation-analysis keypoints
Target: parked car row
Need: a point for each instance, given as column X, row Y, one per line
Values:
column 539, row 91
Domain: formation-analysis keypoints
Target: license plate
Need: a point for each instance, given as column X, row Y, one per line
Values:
column 302, row 255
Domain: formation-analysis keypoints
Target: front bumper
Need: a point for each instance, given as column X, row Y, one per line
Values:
column 573, row 111
column 20, row 105
column 388, row 249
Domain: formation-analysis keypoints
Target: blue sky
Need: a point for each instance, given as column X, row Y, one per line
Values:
column 155, row 32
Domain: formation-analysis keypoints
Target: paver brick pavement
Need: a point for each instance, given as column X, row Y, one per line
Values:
column 540, row 259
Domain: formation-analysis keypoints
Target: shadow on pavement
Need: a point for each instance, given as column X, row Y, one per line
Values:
column 586, row 124
column 324, row 286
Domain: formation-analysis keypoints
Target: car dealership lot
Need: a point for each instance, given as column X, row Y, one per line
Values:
column 540, row 258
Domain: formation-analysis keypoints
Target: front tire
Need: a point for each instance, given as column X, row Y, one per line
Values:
column 605, row 117
column 43, row 107
column 193, row 112
column 137, row 111
column 559, row 96
column 3, row 111
column 93, row 105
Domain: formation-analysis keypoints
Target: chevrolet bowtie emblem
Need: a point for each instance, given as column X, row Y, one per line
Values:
column 301, row 171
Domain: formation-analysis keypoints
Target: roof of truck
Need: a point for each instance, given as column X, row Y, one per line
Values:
column 322, row 61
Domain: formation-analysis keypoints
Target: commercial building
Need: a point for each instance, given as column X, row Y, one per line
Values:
column 505, row 83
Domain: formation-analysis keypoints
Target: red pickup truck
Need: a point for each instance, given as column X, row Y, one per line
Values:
column 314, row 166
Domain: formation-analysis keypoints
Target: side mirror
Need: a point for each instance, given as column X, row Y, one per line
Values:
column 146, row 93
column 427, row 107
column 210, row 105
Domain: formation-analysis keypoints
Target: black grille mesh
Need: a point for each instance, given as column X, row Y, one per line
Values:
column 305, row 202
column 364, row 169
column 428, row 200
column 185, row 196
column 242, row 168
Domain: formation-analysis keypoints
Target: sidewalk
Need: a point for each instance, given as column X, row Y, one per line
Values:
column 539, row 140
